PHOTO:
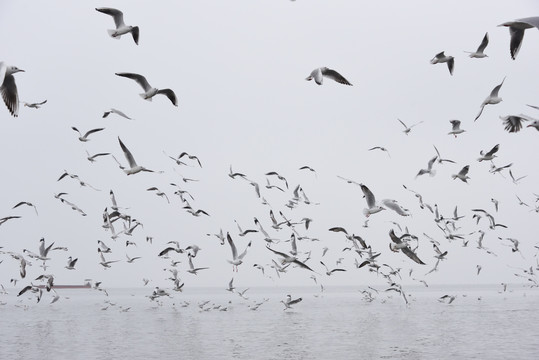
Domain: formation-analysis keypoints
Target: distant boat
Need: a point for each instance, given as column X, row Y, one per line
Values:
column 72, row 286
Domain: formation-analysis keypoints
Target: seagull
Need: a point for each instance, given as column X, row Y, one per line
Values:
column 192, row 269
column 442, row 58
column 479, row 52
column 27, row 204
column 489, row 155
column 329, row 272
column 455, row 128
column 8, row 88
column 150, row 91
column 131, row 259
column 516, row 30
column 287, row 259
column 403, row 246
column 71, row 263
column 371, row 202
column 516, row 180
column 103, row 262
column 35, row 105
column 492, row 99
column 440, row 160
column 121, row 28
column 117, row 112
column 319, row 73
column 429, row 169
column 158, row 193
column 394, row 205
column 88, row 133
column 91, row 158
column 104, row 248
column 134, row 168
column 289, row 302
column 463, row 174
column 407, row 129
column 380, row 148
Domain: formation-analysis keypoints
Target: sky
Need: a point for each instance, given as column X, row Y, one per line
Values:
column 238, row 69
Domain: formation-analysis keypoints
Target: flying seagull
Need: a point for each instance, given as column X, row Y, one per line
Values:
column 442, row 58
column 34, row 105
column 121, row 28
column 372, row 207
column 455, row 128
column 407, row 129
column 236, row 259
column 429, row 169
column 8, row 88
column 479, row 52
column 84, row 138
column 319, row 73
column 150, row 91
column 134, row 168
column 492, row 99
column 489, row 155
column 287, row 259
column 463, row 174
column 25, row 203
column 403, row 246
column 117, row 112
column 516, row 30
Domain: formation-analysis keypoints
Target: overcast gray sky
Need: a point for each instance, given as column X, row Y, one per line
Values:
column 238, row 69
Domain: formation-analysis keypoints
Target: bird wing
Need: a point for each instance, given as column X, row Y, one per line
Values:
column 170, row 94
column 484, row 44
column 431, row 162
column 117, row 15
column 333, row 75
column 412, row 255
column 516, row 41
column 141, row 80
column 120, row 113
column 128, row 155
column 494, row 92
column 513, row 123
column 279, row 253
column 232, row 246
column 464, row 170
column 403, row 124
column 10, row 94
column 369, row 196
column 451, row 65
column 242, row 255
column 135, row 32
column 493, row 150
column 89, row 132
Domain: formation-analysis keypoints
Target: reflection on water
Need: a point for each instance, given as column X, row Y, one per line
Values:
column 336, row 324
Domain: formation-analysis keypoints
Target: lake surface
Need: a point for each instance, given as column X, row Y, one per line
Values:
column 339, row 323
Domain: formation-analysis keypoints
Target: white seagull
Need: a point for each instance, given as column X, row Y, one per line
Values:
column 133, row 167
column 117, row 112
column 84, row 138
column 236, row 259
column 35, row 105
column 319, row 73
column 479, row 52
column 121, row 28
column 372, row 207
column 455, row 128
column 442, row 58
column 463, row 174
column 407, row 129
column 8, row 88
column 492, row 99
column 516, row 30
column 489, row 155
column 150, row 91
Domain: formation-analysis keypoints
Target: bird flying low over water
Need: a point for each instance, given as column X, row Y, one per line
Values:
column 121, row 28
column 442, row 58
column 319, row 74
column 516, row 30
column 149, row 91
column 399, row 244
column 236, row 259
column 8, row 88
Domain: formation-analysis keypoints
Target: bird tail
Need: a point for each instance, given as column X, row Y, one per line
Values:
column 432, row 172
column 113, row 35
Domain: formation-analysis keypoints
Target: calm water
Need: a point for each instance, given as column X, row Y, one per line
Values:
column 336, row 324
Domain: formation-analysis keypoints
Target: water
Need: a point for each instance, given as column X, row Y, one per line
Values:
column 336, row 324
